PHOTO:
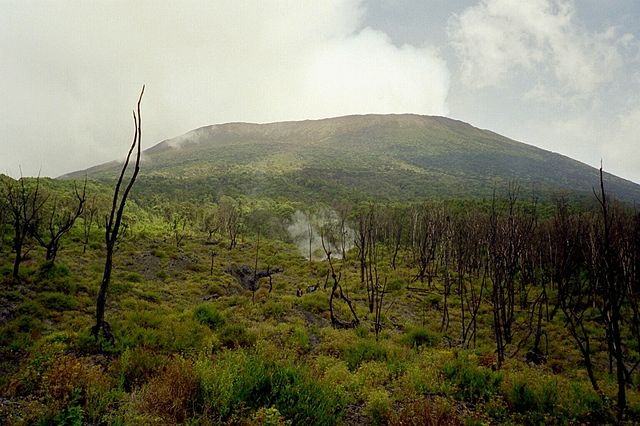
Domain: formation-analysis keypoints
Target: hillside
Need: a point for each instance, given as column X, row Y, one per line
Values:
column 221, row 312
column 396, row 157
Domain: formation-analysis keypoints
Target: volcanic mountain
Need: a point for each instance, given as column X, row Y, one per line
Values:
column 391, row 157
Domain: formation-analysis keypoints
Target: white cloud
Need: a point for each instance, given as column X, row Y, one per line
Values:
column 71, row 72
column 592, row 137
column 540, row 38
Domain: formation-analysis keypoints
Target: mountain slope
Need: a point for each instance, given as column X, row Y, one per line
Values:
column 398, row 157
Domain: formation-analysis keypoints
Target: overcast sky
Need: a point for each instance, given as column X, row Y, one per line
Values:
column 562, row 75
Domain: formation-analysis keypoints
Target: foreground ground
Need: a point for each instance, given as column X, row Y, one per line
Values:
column 193, row 346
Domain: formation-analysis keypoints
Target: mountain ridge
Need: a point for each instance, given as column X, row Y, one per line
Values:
column 357, row 151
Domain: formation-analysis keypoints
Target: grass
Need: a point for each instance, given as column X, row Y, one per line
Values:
column 192, row 347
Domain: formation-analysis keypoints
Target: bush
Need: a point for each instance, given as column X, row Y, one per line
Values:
column 420, row 336
column 273, row 309
column 32, row 307
column 58, row 301
column 299, row 339
column 378, row 406
column 269, row 417
column 472, row 383
column 14, row 337
column 534, row 402
column 136, row 366
column 239, row 379
column 316, row 302
column 73, row 382
column 171, row 395
column 362, row 331
column 208, row 315
column 236, row 336
column 523, row 399
column 71, row 416
column 583, row 402
column 133, row 277
column 55, row 277
column 49, row 270
column 427, row 412
column 364, row 350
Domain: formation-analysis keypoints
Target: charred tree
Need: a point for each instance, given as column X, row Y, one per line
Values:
column 60, row 221
column 249, row 277
column 24, row 203
column 113, row 222
column 336, row 291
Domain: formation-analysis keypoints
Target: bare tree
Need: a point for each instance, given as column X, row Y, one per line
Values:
column 608, row 279
column 575, row 292
column 336, row 291
column 230, row 219
column 467, row 242
column 60, row 220
column 4, row 213
column 507, row 235
column 24, row 202
column 89, row 214
column 113, row 222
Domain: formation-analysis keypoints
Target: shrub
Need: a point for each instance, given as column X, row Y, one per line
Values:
column 240, row 379
column 362, row 331
column 58, row 301
column 32, row 307
column 26, row 323
column 299, row 339
column 133, row 277
column 363, row 350
column 316, row 302
column 523, row 399
column 427, row 412
column 269, row 417
column 136, row 366
column 208, row 315
column 273, row 309
column 472, row 383
column 582, row 402
column 55, row 277
column 420, row 336
column 14, row 338
column 171, row 394
column 73, row 382
column 150, row 296
column 236, row 336
column 71, row 416
column 378, row 406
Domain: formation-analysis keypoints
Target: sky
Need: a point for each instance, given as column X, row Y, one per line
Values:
column 558, row 74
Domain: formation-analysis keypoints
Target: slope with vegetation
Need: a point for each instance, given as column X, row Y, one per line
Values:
column 392, row 157
column 414, row 313
column 293, row 273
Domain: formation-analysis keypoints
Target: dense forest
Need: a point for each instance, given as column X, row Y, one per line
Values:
column 260, row 311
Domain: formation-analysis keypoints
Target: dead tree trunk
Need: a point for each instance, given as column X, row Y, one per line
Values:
column 336, row 290
column 58, row 225
column 113, row 222
column 24, row 204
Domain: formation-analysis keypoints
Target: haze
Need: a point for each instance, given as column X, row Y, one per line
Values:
column 558, row 74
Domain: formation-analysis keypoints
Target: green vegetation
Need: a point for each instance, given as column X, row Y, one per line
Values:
column 218, row 317
column 372, row 157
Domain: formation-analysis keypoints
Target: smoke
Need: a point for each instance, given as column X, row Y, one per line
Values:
column 75, row 68
column 308, row 230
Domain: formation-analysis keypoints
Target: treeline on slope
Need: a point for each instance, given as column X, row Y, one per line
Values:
column 527, row 263
column 324, row 185
column 580, row 265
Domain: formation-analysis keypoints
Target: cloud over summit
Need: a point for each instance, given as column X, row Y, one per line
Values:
column 204, row 63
